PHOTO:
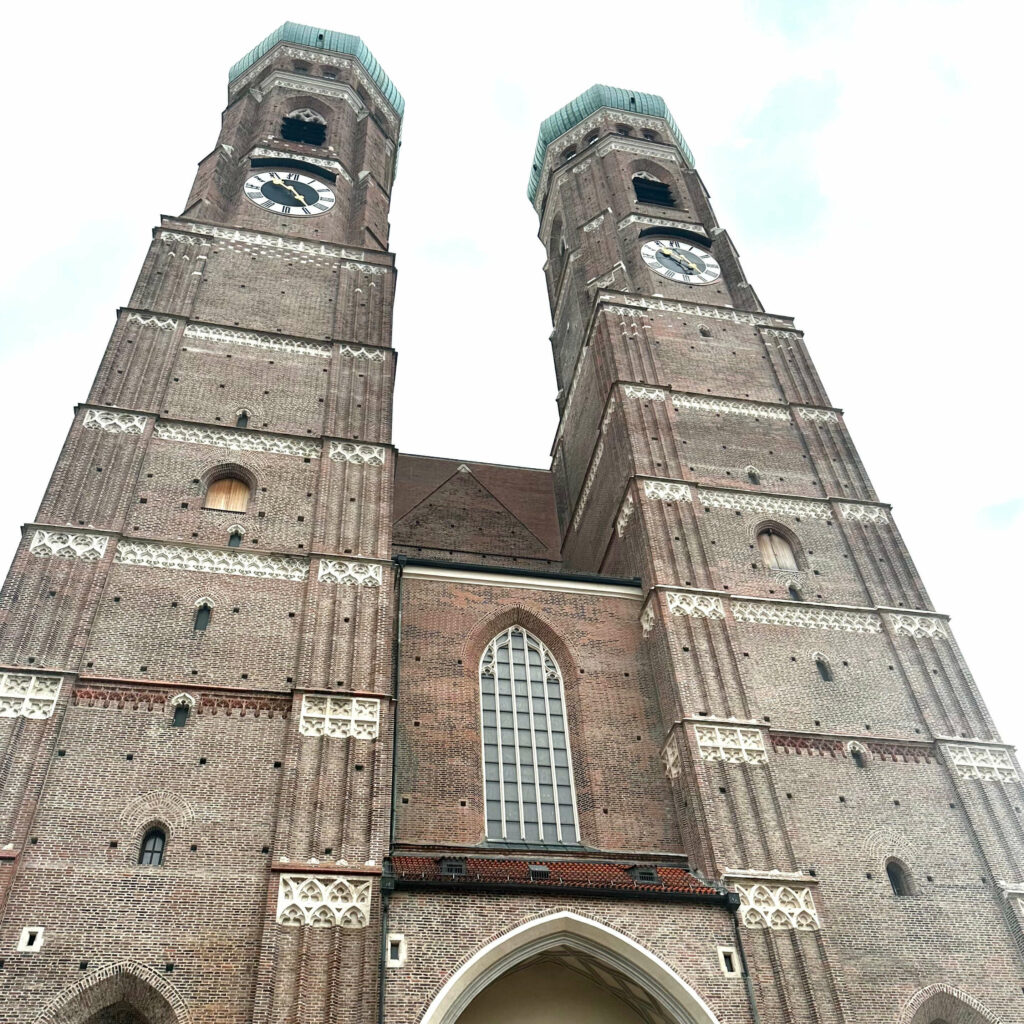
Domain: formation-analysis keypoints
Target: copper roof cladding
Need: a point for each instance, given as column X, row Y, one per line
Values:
column 596, row 877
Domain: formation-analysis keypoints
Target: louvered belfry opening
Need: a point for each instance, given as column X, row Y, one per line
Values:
column 310, row 133
column 657, row 193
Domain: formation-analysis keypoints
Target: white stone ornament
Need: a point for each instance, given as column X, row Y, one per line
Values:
column 588, row 484
column 757, row 410
column 350, row 574
column 671, row 761
column 113, row 422
column 638, row 391
column 219, row 561
column 357, row 454
column 873, row 514
column 769, row 613
column 323, row 901
column 625, row 514
column 777, row 907
column 666, row 490
column 919, row 626
column 647, row 619
column 27, row 695
column 985, row 764
column 238, row 440
column 696, row 606
column 288, row 193
column 89, row 547
column 731, row 744
column 358, row 717
column 817, row 415
column 250, row 339
column 160, row 322
column 760, row 504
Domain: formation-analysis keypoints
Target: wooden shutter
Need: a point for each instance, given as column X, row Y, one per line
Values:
column 228, row 494
column 784, row 557
column 764, row 543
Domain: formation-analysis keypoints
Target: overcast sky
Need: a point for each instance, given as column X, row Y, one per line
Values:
column 863, row 155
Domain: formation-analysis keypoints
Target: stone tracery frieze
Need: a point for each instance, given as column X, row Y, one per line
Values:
column 777, row 907
column 28, row 695
column 919, row 626
column 650, row 394
column 817, row 415
column 114, row 422
column 162, row 323
column 666, row 490
column 699, row 403
column 357, row 454
column 323, row 901
column 985, row 764
column 731, row 744
column 647, row 618
column 864, row 514
column 250, row 339
column 238, row 440
column 350, row 574
column 588, row 484
column 670, row 760
column 156, row 555
column 762, row 504
column 625, row 514
column 89, row 547
column 810, row 617
column 358, row 717
column 696, row 606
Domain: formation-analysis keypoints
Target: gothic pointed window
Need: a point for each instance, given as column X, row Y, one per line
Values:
column 235, row 539
column 203, row 615
column 776, row 551
column 899, row 878
column 305, row 126
column 151, row 851
column 243, row 418
column 228, row 494
column 823, row 667
column 180, row 717
column 649, row 190
column 530, row 795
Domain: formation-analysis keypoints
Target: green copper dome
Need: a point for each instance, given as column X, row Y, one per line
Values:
column 323, row 39
column 589, row 102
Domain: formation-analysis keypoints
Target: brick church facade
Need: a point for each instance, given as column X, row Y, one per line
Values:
column 298, row 729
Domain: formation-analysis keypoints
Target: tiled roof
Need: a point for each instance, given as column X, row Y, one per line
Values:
column 562, row 874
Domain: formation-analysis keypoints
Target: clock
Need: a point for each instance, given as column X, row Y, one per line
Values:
column 295, row 195
column 680, row 261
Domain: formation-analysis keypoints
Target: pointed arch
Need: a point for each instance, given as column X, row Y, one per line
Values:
column 145, row 991
column 945, row 1002
column 583, row 935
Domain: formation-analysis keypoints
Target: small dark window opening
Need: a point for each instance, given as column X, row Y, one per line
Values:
column 753, row 476
column 645, row 874
column 858, row 758
column 234, row 540
column 203, row 613
column 657, row 193
column 898, row 879
column 452, row 867
column 728, row 963
column 794, row 592
column 243, row 419
column 539, row 872
column 152, row 849
column 309, row 133
column 823, row 669
column 180, row 714
column 395, row 950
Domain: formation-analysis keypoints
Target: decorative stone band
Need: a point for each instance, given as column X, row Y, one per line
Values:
column 697, row 606
column 114, row 422
column 833, row 746
column 985, row 764
column 864, row 513
column 666, row 490
column 162, row 323
column 625, row 513
column 765, row 505
column 374, row 355
column 330, row 165
column 250, row 339
column 358, row 717
column 817, row 415
column 358, row 454
column 777, row 907
column 588, row 484
column 810, row 617
column 90, row 547
column 647, row 618
column 758, row 410
column 323, row 901
column 919, row 626
column 670, row 760
column 350, row 574
column 731, row 744
column 660, row 222
column 225, row 563
column 238, row 440
column 649, row 394
column 693, row 309
column 25, row 695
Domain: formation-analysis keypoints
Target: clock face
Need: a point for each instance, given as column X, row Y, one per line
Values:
column 296, row 195
column 680, row 261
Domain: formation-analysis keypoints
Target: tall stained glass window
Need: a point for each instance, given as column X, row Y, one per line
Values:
column 527, row 766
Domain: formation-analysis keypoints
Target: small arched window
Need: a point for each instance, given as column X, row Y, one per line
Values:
column 203, row 615
column 152, row 849
column 858, row 758
column 899, row 878
column 794, row 592
column 228, row 494
column 235, row 539
column 823, row 667
column 305, row 126
column 528, row 781
column 776, row 551
column 649, row 190
column 753, row 475
column 243, row 418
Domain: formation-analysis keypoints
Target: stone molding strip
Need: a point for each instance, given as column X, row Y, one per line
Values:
column 114, row 422
column 238, row 440
column 156, row 555
column 635, row 302
column 89, row 547
column 251, row 339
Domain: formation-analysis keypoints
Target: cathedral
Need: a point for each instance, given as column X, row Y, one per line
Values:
column 297, row 728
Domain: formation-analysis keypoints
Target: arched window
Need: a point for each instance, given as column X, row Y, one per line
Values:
column 235, row 539
column 527, row 766
column 650, row 190
column 152, row 849
column 183, row 705
column 305, row 126
column 858, row 758
column 899, row 878
column 203, row 615
column 753, row 475
column 794, row 592
column 228, row 494
column 823, row 667
column 243, row 418
column 776, row 551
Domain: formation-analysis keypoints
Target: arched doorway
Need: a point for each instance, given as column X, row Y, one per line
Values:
column 938, row 1004
column 568, row 968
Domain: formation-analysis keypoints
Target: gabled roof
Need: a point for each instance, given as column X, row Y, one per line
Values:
column 589, row 102
column 323, row 39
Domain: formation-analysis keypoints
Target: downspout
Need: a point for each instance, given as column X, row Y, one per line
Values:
column 387, row 883
column 734, row 907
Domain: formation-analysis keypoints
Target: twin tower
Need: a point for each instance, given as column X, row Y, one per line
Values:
column 299, row 729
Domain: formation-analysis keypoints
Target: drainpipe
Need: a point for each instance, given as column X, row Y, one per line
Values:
column 734, row 907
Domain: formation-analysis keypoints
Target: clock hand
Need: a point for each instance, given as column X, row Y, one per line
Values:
column 681, row 260
column 289, row 188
